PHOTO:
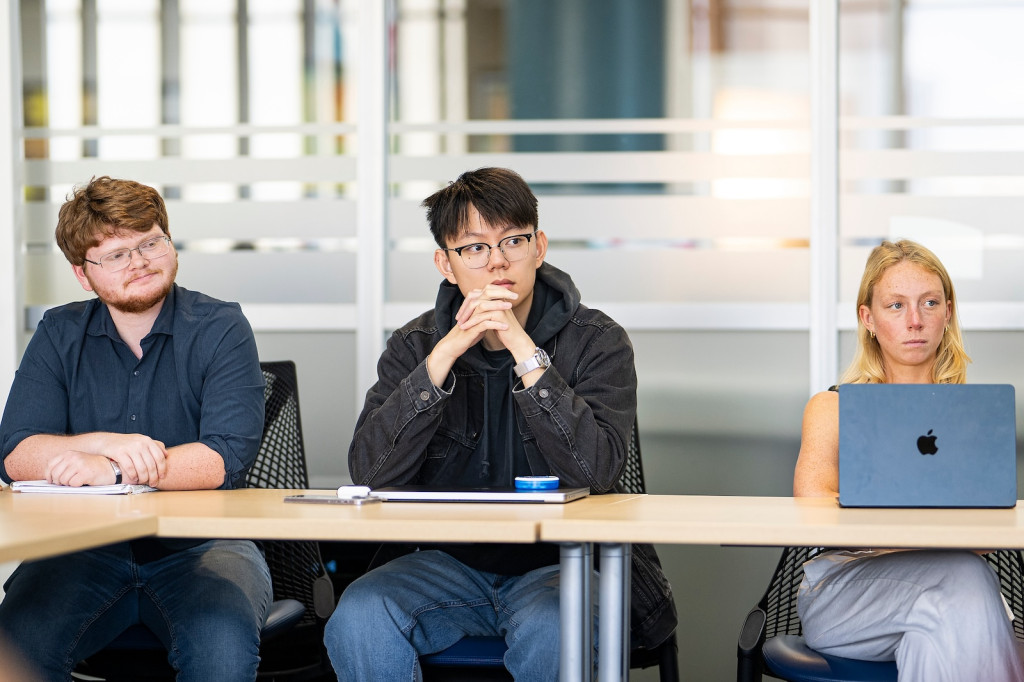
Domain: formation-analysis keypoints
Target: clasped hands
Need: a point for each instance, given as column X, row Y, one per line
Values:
column 142, row 461
column 485, row 314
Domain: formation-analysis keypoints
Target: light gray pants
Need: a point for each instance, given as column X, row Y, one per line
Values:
column 938, row 614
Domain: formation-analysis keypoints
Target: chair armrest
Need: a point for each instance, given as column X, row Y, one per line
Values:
column 323, row 597
column 748, row 646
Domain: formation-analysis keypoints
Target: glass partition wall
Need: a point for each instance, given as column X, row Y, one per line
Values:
column 712, row 173
column 670, row 142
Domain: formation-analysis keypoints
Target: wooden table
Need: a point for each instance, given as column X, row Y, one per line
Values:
column 37, row 524
column 33, row 526
column 263, row 514
column 784, row 521
column 754, row 521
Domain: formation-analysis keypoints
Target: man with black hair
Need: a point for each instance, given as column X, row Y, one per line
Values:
column 509, row 375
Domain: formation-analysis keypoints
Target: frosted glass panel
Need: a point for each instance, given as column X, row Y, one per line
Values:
column 670, row 165
column 236, row 119
column 706, row 383
column 932, row 145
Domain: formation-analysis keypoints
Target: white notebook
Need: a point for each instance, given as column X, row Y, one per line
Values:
column 44, row 487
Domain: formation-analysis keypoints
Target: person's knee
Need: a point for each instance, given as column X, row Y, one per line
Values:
column 536, row 626
column 540, row 615
column 215, row 649
column 974, row 580
column 535, row 643
column 969, row 574
column 342, row 626
column 361, row 603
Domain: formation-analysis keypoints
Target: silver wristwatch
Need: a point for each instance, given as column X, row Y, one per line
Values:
column 539, row 360
column 117, row 472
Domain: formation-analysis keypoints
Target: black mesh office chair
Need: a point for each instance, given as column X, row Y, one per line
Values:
column 770, row 640
column 291, row 646
column 479, row 658
column 296, row 567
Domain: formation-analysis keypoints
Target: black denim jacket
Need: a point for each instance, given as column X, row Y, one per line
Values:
column 575, row 421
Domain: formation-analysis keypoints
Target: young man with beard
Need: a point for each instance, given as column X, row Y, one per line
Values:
column 509, row 375
column 146, row 383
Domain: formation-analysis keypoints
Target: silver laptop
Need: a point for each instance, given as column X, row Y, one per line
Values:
column 927, row 445
column 411, row 493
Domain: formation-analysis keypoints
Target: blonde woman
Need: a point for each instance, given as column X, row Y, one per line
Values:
column 938, row 614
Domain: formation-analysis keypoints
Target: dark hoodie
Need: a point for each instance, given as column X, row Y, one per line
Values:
column 499, row 455
column 483, row 427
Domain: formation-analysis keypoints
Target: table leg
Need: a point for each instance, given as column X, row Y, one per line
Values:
column 613, row 623
column 577, row 565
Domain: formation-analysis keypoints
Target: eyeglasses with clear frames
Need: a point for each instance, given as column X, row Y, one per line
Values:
column 152, row 248
column 513, row 248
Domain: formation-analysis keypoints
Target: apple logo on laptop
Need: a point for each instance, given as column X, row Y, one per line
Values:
column 926, row 444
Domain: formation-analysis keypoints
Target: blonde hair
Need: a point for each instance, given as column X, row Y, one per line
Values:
column 951, row 359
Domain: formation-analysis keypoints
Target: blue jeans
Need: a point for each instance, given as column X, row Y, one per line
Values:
column 207, row 604
column 424, row 602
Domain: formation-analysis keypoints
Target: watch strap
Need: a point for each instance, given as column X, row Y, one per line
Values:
column 117, row 471
column 537, row 360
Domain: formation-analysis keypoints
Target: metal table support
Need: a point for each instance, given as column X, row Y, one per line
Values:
column 577, row 565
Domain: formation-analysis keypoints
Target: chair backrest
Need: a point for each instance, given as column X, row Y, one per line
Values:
column 779, row 600
column 296, row 567
column 632, row 479
column 281, row 460
column 1009, row 566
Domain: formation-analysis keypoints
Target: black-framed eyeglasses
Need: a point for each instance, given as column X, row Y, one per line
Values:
column 514, row 247
column 154, row 247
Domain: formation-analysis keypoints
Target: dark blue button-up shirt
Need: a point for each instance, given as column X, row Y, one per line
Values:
column 198, row 380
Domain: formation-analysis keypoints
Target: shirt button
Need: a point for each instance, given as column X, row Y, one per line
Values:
column 136, row 372
column 133, row 417
column 424, row 396
column 543, row 393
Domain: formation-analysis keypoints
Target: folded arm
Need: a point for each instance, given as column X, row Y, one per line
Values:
column 582, row 430
column 64, row 424
column 84, row 459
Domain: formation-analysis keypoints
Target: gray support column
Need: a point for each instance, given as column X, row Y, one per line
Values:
column 242, row 57
column 577, row 565
column 170, row 89
column 613, row 625
column 90, row 77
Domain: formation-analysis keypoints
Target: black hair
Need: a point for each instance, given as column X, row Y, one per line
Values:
column 500, row 195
